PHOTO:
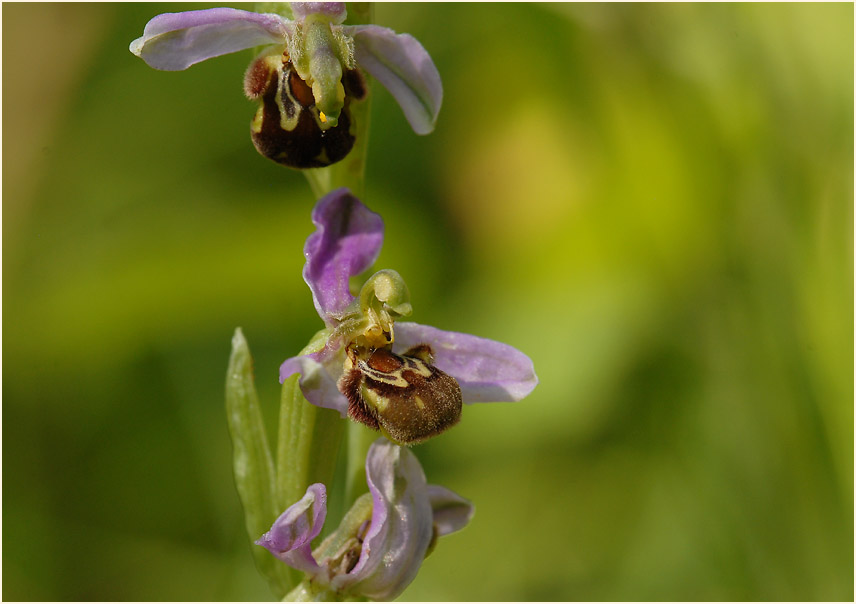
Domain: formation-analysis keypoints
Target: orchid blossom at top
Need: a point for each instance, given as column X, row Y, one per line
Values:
column 407, row 380
column 306, row 77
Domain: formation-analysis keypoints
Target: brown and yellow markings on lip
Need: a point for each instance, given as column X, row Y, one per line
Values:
column 288, row 127
column 404, row 396
column 388, row 368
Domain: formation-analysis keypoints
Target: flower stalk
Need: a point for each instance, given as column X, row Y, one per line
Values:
column 360, row 438
column 401, row 383
column 348, row 173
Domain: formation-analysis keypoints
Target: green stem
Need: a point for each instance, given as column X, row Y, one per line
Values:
column 309, row 592
column 310, row 436
column 350, row 173
column 360, row 439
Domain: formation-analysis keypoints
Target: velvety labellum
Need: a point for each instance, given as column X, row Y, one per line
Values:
column 404, row 396
column 288, row 128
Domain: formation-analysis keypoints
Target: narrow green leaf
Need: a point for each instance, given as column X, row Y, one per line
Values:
column 252, row 463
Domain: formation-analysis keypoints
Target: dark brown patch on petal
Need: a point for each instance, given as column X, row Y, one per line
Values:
column 306, row 145
column 354, row 84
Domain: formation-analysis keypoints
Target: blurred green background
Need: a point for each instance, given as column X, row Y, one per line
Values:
column 655, row 202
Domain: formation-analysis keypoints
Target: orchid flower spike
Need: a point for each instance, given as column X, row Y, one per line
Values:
column 381, row 542
column 306, row 77
column 404, row 379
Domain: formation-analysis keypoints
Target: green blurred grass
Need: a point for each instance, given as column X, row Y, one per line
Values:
column 655, row 202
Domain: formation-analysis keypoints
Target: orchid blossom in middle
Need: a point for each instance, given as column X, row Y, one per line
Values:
column 405, row 379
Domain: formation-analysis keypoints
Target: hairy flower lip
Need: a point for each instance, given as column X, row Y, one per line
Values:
column 175, row 41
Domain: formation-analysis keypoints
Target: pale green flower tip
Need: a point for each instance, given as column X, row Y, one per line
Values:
column 239, row 342
column 388, row 287
column 329, row 98
column 240, row 363
column 136, row 47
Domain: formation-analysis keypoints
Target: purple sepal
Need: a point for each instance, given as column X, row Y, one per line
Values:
column 405, row 68
column 347, row 241
column 401, row 525
column 175, row 41
column 451, row 511
column 291, row 535
column 316, row 382
column 486, row 370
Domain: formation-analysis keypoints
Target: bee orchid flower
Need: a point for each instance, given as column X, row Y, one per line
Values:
column 381, row 542
column 404, row 379
column 307, row 75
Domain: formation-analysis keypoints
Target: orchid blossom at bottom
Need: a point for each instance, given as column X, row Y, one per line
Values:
column 407, row 380
column 379, row 546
